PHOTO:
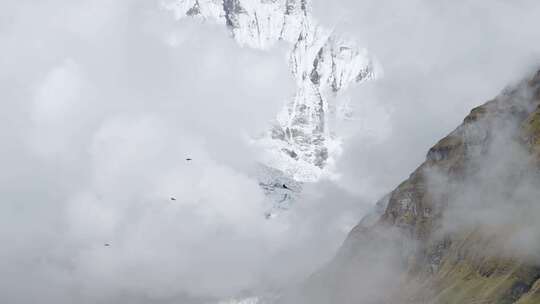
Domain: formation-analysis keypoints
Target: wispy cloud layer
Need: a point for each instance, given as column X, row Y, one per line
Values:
column 102, row 103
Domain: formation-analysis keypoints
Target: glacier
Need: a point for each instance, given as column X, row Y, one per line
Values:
column 301, row 145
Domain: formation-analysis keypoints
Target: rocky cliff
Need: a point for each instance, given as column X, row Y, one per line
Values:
column 462, row 228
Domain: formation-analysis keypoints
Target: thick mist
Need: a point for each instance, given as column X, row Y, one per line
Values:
column 103, row 102
column 479, row 185
column 498, row 194
column 440, row 59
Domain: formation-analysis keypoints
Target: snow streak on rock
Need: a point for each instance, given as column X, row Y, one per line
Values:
column 301, row 144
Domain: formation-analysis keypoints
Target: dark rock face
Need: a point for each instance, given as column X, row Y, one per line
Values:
column 407, row 253
column 195, row 10
column 232, row 9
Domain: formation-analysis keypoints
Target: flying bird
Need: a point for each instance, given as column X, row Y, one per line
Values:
column 173, row 198
column 285, row 187
column 188, row 159
column 107, row 245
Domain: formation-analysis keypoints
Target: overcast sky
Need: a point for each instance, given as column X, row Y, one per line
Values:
column 100, row 111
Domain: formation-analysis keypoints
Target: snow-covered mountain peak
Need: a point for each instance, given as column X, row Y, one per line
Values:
column 301, row 144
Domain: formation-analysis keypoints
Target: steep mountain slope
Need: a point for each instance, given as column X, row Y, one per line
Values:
column 462, row 228
column 302, row 143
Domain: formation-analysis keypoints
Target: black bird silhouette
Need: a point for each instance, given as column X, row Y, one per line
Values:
column 107, row 245
column 188, row 159
column 285, row 187
column 173, row 198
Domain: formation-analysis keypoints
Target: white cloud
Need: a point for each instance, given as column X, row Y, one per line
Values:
column 440, row 59
column 101, row 114
column 103, row 121
column 56, row 106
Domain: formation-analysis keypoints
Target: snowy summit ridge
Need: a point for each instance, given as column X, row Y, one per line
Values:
column 301, row 143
